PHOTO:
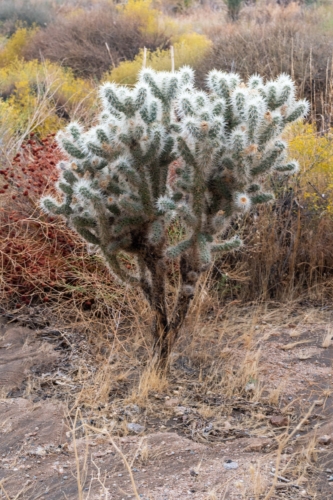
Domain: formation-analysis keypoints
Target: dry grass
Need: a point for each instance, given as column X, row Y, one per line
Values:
column 287, row 253
column 218, row 375
column 217, row 358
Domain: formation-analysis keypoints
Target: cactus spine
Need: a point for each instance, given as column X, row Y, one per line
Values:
column 164, row 151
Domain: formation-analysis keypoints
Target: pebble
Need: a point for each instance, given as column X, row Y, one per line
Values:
column 172, row 402
column 137, row 428
column 326, row 439
column 250, row 387
column 229, row 464
column 289, row 450
column 279, row 420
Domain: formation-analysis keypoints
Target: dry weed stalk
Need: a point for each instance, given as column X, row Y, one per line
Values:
column 283, row 441
column 120, row 453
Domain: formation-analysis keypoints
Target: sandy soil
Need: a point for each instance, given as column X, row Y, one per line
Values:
column 178, row 452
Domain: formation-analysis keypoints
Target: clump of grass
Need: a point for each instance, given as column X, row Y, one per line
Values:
column 287, row 253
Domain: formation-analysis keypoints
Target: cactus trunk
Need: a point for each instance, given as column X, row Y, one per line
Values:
column 166, row 332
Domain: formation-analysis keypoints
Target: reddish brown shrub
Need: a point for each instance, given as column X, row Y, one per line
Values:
column 32, row 170
column 40, row 257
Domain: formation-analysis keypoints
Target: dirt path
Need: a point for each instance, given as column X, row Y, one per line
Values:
column 178, row 454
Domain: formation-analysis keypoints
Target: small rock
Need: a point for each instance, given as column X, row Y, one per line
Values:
column 326, row 439
column 99, row 454
column 279, row 421
column 258, row 444
column 180, row 411
column 129, row 409
column 194, row 473
column 289, row 450
column 229, row 464
column 137, row 428
column 208, row 428
column 172, row 402
column 227, row 426
column 39, row 451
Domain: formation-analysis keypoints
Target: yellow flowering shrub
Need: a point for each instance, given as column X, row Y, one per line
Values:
column 152, row 21
column 315, row 155
column 142, row 10
column 38, row 96
column 14, row 46
column 189, row 49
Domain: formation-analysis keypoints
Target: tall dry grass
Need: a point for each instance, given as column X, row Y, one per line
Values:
column 287, row 253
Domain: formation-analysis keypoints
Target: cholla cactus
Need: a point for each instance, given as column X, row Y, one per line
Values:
column 165, row 151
